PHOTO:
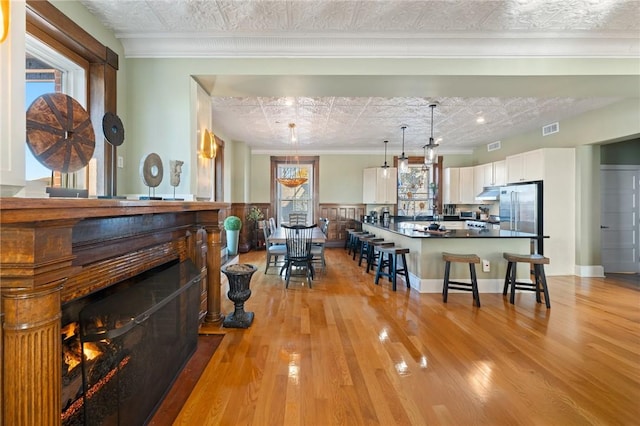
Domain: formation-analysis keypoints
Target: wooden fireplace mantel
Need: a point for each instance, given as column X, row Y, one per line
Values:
column 53, row 251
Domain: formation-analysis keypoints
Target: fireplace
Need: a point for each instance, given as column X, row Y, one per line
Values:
column 56, row 251
column 123, row 347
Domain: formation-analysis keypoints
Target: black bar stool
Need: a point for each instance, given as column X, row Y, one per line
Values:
column 357, row 245
column 540, row 280
column 373, row 255
column 472, row 286
column 391, row 263
column 365, row 246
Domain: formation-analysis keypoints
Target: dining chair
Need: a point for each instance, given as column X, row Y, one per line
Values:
column 274, row 251
column 298, row 242
column 297, row 218
column 317, row 249
column 272, row 225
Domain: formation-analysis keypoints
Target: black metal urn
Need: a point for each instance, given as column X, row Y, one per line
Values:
column 239, row 276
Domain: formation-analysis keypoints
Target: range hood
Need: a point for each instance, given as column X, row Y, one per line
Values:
column 489, row 193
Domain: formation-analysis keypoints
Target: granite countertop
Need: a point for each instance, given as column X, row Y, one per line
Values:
column 417, row 230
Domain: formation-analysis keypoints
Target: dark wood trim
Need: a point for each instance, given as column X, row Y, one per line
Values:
column 341, row 216
column 59, row 27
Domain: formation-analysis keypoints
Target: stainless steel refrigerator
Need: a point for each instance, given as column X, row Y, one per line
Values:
column 521, row 210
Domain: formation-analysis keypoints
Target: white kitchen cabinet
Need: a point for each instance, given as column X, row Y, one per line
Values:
column 379, row 187
column 451, row 185
column 458, row 185
column 499, row 173
column 482, row 176
column 525, row 167
column 467, row 188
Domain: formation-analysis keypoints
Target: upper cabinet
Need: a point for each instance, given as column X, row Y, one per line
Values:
column 499, row 173
column 490, row 174
column 525, row 167
column 458, row 187
column 451, row 185
column 380, row 186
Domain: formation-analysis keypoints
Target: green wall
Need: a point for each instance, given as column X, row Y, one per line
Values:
column 622, row 153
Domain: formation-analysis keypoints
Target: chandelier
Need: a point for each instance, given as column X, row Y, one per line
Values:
column 431, row 147
column 292, row 175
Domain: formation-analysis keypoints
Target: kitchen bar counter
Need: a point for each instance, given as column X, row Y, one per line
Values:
column 417, row 230
column 426, row 267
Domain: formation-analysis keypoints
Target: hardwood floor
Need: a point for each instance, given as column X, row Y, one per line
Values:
column 348, row 352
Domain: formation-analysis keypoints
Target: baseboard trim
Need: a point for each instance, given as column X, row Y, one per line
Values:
column 594, row 271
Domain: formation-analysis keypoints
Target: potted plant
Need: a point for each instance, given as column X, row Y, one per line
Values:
column 254, row 216
column 232, row 226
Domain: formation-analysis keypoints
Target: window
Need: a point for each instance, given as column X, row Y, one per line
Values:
column 302, row 198
column 298, row 199
column 48, row 71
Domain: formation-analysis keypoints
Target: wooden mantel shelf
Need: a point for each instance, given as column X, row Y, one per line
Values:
column 53, row 251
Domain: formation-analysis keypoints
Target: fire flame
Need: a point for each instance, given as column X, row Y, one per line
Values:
column 91, row 351
column 69, row 330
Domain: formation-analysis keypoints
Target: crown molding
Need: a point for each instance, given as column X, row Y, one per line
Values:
column 616, row 45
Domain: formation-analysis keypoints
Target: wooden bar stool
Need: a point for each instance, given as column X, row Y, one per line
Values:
column 354, row 241
column 374, row 255
column 471, row 259
column 357, row 245
column 539, row 286
column 391, row 263
column 347, row 238
column 365, row 246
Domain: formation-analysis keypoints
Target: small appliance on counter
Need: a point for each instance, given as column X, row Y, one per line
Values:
column 386, row 217
column 373, row 214
column 468, row 215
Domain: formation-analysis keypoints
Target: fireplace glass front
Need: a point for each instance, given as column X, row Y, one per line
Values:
column 133, row 344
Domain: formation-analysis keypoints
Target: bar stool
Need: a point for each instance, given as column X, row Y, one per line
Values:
column 365, row 245
column 391, row 263
column 347, row 238
column 539, row 286
column 357, row 245
column 471, row 259
column 373, row 255
column 353, row 241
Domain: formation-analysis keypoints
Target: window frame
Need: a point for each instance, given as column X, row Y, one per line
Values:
column 314, row 162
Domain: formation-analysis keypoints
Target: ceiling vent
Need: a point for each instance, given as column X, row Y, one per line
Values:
column 494, row 146
column 550, row 129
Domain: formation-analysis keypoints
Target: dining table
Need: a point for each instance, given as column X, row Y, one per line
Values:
column 279, row 237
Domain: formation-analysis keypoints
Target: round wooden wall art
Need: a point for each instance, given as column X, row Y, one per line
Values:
column 152, row 170
column 59, row 133
column 113, row 129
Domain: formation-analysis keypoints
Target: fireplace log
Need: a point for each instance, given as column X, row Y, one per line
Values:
column 55, row 250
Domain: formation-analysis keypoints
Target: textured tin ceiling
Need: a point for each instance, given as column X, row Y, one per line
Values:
column 342, row 113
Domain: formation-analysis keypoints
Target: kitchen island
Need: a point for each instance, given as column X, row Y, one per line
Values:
column 426, row 268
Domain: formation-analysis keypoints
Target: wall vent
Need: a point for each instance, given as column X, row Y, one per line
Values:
column 493, row 146
column 550, row 129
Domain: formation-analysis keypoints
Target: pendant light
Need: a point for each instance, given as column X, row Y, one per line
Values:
column 403, row 161
column 292, row 175
column 385, row 166
column 431, row 147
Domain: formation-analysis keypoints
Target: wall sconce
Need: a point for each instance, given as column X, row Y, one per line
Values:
column 209, row 147
column 4, row 15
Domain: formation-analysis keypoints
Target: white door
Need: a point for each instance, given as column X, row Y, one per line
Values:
column 620, row 190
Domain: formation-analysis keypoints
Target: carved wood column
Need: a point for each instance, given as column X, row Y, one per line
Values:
column 32, row 346
column 210, row 222
column 35, row 259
